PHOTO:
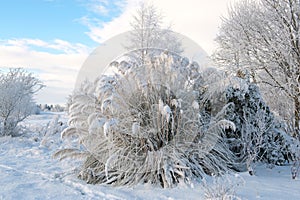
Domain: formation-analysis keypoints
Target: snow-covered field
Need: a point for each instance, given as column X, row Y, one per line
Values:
column 28, row 171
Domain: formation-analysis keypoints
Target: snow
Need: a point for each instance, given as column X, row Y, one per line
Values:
column 28, row 171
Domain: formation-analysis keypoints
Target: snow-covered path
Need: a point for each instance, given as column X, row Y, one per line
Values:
column 28, row 171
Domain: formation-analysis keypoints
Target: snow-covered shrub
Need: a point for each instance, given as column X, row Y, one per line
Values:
column 258, row 136
column 142, row 124
column 55, row 126
column 17, row 88
column 58, row 108
column 37, row 110
column 222, row 188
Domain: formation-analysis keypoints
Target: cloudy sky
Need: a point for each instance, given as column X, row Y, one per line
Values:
column 52, row 38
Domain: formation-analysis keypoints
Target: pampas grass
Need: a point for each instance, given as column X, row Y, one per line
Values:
column 142, row 125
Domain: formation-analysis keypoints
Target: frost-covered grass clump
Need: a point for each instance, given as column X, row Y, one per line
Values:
column 142, row 125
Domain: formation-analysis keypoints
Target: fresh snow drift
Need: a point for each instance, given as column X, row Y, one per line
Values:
column 29, row 172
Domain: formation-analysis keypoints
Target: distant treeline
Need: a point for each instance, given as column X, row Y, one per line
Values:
column 51, row 108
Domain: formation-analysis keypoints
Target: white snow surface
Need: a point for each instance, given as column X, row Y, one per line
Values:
column 28, row 171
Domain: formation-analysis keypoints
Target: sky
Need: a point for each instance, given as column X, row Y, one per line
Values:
column 53, row 38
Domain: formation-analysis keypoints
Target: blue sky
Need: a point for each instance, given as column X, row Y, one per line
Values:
column 51, row 19
column 53, row 38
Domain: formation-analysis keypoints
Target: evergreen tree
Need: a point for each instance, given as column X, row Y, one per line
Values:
column 258, row 136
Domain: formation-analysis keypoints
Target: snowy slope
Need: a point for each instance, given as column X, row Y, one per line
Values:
column 28, row 172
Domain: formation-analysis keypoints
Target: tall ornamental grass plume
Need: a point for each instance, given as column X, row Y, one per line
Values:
column 142, row 124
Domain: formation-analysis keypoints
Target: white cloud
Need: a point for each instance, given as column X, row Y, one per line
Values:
column 101, row 9
column 56, row 63
column 60, row 46
column 99, row 31
column 199, row 20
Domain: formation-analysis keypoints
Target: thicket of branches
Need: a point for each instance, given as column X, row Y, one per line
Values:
column 263, row 37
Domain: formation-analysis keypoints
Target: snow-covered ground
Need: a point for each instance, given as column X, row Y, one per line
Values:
column 28, row 171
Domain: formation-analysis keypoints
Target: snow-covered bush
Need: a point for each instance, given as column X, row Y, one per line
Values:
column 222, row 188
column 37, row 110
column 17, row 88
column 142, row 124
column 258, row 136
column 53, row 127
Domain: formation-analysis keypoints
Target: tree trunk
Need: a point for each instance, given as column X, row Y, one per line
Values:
column 297, row 117
column 5, row 126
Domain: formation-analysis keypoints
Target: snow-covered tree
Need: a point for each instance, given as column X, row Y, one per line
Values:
column 148, row 32
column 263, row 37
column 17, row 88
column 142, row 124
column 258, row 135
